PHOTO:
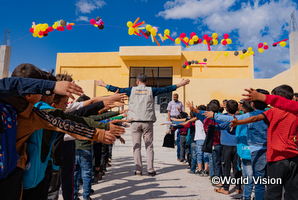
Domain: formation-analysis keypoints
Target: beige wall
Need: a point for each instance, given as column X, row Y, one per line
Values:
column 225, row 77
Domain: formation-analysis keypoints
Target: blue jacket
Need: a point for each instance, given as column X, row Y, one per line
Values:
column 227, row 137
column 18, row 86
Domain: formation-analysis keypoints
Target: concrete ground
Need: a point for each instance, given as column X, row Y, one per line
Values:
column 171, row 182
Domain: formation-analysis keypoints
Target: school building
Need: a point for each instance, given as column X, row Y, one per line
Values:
column 225, row 77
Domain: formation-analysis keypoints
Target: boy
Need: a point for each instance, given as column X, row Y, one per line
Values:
column 281, row 147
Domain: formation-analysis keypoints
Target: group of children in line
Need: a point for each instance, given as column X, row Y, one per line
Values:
column 255, row 137
column 43, row 137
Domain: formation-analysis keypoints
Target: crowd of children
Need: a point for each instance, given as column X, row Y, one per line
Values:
column 254, row 138
column 35, row 152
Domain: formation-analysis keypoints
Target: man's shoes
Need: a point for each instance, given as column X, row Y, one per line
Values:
column 152, row 173
column 138, row 173
column 108, row 165
column 92, row 191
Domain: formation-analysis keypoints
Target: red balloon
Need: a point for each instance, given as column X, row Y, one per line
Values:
column 266, row 47
column 40, row 33
column 260, row 45
column 192, row 34
column 200, row 40
column 209, row 38
column 186, row 63
column 226, row 36
column 50, row 29
column 182, row 35
column 61, row 28
column 46, row 32
column 68, row 27
column 31, row 30
column 92, row 21
column 224, row 42
column 205, row 37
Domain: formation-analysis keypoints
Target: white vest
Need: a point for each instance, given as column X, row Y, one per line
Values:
column 141, row 104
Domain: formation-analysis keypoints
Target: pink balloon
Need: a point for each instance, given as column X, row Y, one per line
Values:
column 260, row 45
column 156, row 29
column 226, row 36
column 186, row 63
column 92, row 21
column 192, row 34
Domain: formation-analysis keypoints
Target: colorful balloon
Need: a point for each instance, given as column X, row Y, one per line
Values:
column 261, row 50
column 226, row 36
column 283, row 44
column 177, row 41
column 241, row 56
column 246, row 54
column 260, row 45
column 229, row 41
column 214, row 35
column 226, row 54
column 249, row 49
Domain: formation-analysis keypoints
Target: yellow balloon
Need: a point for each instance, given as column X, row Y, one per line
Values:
column 261, row 50
column 215, row 42
column 229, row 41
column 40, row 36
column 246, row 54
column 95, row 25
column 283, row 44
column 195, row 38
column 241, row 56
column 191, row 42
column 136, row 30
column 249, row 49
column 167, row 32
column 226, row 54
column 129, row 24
column 165, row 37
column 177, row 41
column 148, row 27
column 252, row 53
column 131, row 31
column 35, row 34
column 222, row 41
column 204, row 42
column 186, row 39
column 214, row 35
column 153, row 31
column 187, row 67
column 55, row 26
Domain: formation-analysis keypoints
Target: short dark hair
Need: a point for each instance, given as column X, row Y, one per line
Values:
column 64, row 77
column 260, row 105
column 212, row 107
column 225, row 100
column 27, row 70
column 215, row 101
column 49, row 75
column 247, row 107
column 183, row 115
column 284, row 91
column 83, row 98
column 296, row 94
column 202, row 107
column 232, row 106
column 142, row 78
column 58, row 98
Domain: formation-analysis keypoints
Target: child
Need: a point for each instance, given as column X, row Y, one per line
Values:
column 281, row 147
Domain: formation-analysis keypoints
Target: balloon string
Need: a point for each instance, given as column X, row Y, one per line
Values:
column 20, row 38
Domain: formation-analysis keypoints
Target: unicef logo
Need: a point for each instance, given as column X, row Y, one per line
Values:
column 27, row 167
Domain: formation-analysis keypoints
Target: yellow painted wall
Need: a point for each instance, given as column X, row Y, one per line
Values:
column 225, row 77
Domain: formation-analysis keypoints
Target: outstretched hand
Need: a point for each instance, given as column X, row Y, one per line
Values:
column 109, row 138
column 208, row 114
column 119, row 97
column 67, row 88
column 183, row 82
column 189, row 104
column 100, row 83
column 234, row 123
column 253, row 95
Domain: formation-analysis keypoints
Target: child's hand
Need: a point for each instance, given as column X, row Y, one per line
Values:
column 168, row 132
column 123, row 111
column 174, row 119
column 67, row 88
column 234, row 123
column 178, row 109
column 100, row 83
column 189, row 105
column 121, row 140
column 253, row 95
column 119, row 97
column 184, row 123
column 208, row 114
column 109, row 138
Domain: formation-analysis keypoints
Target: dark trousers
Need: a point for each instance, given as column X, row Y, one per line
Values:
column 110, row 151
column 67, row 169
column 229, row 156
column 11, row 186
column 97, row 153
column 40, row 192
column 184, row 148
column 54, row 185
column 216, row 158
column 104, row 157
column 287, row 170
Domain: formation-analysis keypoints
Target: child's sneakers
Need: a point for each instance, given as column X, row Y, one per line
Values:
column 199, row 173
column 205, row 173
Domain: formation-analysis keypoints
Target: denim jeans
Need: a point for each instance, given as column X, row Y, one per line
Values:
column 193, row 157
column 84, row 165
column 201, row 156
column 178, row 145
column 247, row 172
column 216, row 157
column 259, row 162
column 211, row 166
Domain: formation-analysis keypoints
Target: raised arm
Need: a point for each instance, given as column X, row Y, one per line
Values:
column 249, row 120
column 113, row 88
column 157, row 91
column 224, row 118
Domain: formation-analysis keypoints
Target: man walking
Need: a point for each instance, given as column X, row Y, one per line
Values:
column 142, row 111
column 173, row 107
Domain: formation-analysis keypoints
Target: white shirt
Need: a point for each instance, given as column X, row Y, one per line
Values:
column 200, row 132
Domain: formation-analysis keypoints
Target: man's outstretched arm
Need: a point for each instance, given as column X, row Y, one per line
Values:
column 113, row 88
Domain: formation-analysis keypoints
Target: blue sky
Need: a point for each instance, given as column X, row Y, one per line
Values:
column 247, row 22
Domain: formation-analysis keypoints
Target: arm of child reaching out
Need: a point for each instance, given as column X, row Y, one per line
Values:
column 249, row 120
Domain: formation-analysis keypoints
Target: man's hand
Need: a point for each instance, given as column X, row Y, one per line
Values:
column 119, row 97
column 183, row 82
column 208, row 114
column 100, row 83
column 109, row 138
column 67, row 88
column 234, row 123
column 253, row 95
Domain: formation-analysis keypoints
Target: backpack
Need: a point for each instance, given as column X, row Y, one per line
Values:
column 8, row 136
column 243, row 149
column 208, row 142
column 34, row 171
